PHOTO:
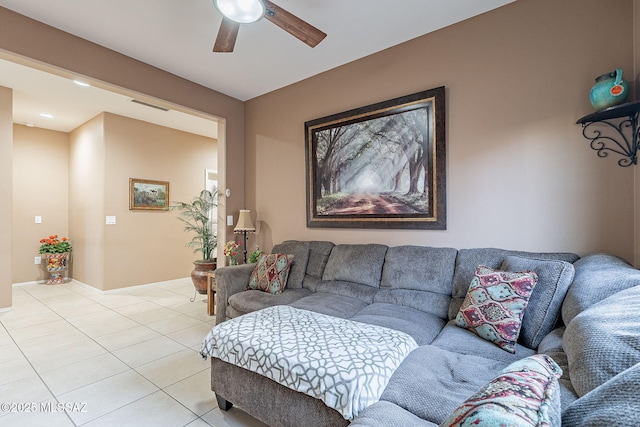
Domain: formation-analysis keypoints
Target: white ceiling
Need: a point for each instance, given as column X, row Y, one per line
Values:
column 36, row 92
column 177, row 36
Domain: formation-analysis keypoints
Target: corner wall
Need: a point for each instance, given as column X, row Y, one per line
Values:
column 519, row 173
column 100, row 157
column 6, row 193
column 87, row 200
column 149, row 246
column 143, row 246
column 40, row 187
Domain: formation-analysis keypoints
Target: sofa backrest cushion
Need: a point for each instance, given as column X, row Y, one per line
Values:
column 603, row 340
column 319, row 252
column 597, row 277
column 543, row 310
column 420, row 268
column 468, row 259
column 300, row 252
column 418, row 277
column 360, row 264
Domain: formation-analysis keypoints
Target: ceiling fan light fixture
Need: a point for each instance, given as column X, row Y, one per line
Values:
column 242, row 11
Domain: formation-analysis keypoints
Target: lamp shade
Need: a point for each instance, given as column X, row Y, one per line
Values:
column 242, row 11
column 244, row 222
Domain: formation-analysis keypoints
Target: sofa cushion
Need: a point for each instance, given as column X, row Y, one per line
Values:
column 270, row 273
column 604, row 340
column 300, row 252
column 468, row 259
column 331, row 304
column 387, row 414
column 614, row 403
column 418, row 277
column 360, row 264
column 423, row 327
column 495, row 304
column 459, row 340
column 346, row 289
column 543, row 310
column 432, row 382
column 525, row 393
column 597, row 277
column 420, row 268
column 428, row 302
column 248, row 301
column 319, row 252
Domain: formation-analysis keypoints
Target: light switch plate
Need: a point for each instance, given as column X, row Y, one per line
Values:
column 230, row 220
column 38, row 219
column 111, row 220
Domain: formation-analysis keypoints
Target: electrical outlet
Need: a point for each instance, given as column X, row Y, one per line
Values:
column 37, row 259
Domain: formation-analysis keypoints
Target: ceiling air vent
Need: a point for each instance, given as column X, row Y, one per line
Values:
column 146, row 104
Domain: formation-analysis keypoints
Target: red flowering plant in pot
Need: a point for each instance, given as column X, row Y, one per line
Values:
column 56, row 251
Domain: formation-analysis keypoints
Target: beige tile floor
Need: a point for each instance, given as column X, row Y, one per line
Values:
column 123, row 358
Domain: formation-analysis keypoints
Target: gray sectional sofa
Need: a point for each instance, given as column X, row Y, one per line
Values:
column 582, row 312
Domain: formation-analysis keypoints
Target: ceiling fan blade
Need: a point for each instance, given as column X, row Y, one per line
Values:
column 293, row 25
column 227, row 34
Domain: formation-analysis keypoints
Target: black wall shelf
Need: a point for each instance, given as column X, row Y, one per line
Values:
column 608, row 134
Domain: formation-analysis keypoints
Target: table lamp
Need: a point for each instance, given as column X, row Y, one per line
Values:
column 244, row 226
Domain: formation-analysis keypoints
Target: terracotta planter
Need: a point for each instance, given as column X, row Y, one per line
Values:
column 56, row 266
column 199, row 275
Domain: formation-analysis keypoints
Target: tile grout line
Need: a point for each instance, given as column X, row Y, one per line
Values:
column 36, row 372
column 42, row 301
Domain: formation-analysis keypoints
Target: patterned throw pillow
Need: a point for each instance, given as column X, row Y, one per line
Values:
column 270, row 273
column 525, row 393
column 495, row 304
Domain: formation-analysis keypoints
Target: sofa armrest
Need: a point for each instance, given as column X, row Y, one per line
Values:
column 230, row 280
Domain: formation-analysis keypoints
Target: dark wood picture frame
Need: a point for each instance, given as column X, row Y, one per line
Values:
column 148, row 195
column 379, row 166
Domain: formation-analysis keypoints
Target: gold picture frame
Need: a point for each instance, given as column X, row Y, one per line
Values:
column 148, row 195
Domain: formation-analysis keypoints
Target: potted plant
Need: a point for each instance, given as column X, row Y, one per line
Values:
column 56, row 251
column 255, row 255
column 196, row 217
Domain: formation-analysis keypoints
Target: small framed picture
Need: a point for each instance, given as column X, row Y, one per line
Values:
column 146, row 194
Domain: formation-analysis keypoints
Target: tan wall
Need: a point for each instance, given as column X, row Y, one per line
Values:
column 149, row 246
column 143, row 246
column 519, row 173
column 6, row 190
column 87, row 200
column 40, row 187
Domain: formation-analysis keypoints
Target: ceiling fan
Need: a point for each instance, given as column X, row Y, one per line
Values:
column 237, row 12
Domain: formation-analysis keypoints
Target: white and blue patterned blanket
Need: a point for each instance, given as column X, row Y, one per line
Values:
column 344, row 363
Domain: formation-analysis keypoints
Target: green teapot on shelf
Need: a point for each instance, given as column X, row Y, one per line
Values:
column 610, row 89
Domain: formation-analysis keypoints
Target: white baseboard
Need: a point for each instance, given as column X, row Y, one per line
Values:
column 89, row 287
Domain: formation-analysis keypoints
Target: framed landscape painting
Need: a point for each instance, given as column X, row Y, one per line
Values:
column 379, row 166
column 145, row 194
